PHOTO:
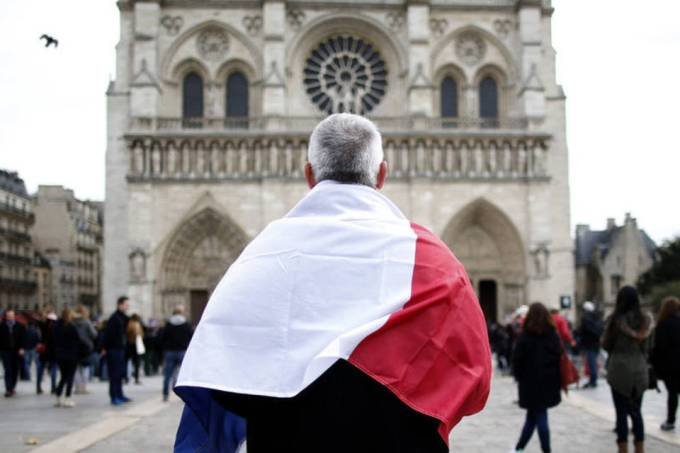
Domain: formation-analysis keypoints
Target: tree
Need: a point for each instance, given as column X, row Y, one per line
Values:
column 663, row 279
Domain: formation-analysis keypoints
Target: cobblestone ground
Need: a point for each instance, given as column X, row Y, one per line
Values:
column 580, row 424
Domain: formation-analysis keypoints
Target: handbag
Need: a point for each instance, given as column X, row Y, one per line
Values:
column 568, row 372
column 139, row 345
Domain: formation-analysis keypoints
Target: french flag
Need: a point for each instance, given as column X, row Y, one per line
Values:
column 344, row 275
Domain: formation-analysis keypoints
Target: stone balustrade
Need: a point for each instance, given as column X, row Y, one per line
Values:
column 254, row 125
column 232, row 157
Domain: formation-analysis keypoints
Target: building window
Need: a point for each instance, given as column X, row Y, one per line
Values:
column 488, row 98
column 237, row 95
column 345, row 74
column 192, row 96
column 449, row 98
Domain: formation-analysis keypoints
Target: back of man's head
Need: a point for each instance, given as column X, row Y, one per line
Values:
column 346, row 148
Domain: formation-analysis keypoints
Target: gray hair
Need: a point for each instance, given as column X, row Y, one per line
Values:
column 346, row 148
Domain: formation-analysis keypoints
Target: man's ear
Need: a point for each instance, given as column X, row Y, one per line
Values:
column 382, row 175
column 309, row 175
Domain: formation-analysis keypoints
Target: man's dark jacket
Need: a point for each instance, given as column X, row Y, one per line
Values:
column 343, row 411
column 115, row 335
column 14, row 341
column 590, row 331
column 176, row 335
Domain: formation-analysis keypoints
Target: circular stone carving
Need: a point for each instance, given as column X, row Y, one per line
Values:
column 470, row 48
column 345, row 74
column 213, row 43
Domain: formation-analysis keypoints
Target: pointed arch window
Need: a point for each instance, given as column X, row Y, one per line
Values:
column 192, row 96
column 488, row 99
column 449, row 97
column 237, row 97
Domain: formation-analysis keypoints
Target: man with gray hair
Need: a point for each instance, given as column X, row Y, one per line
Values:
column 342, row 327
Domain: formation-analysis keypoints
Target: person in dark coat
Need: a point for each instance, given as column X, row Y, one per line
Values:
column 626, row 339
column 46, row 358
column 113, row 346
column 666, row 355
column 536, row 366
column 67, row 348
column 12, row 346
column 589, row 332
column 174, row 341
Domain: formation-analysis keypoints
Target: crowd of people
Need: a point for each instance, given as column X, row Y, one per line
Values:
column 535, row 345
column 74, row 348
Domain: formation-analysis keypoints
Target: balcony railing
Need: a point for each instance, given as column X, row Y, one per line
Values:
column 396, row 124
column 227, row 157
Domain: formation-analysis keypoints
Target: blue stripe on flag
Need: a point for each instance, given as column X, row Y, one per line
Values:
column 206, row 427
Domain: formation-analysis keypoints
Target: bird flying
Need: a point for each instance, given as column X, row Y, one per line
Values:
column 49, row 41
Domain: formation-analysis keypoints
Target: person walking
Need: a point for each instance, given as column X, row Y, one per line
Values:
column 562, row 327
column 590, row 332
column 46, row 356
column 31, row 344
column 666, row 355
column 12, row 346
column 536, row 366
column 113, row 347
column 135, row 344
column 67, row 346
column 88, row 336
column 625, row 338
column 174, row 341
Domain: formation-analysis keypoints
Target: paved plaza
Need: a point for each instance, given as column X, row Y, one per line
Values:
column 583, row 422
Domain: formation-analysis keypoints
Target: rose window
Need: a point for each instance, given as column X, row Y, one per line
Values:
column 345, row 74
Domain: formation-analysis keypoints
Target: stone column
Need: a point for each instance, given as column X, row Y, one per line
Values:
column 273, row 88
column 532, row 91
column 420, row 89
column 144, row 87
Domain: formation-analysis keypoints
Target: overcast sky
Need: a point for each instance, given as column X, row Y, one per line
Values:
column 618, row 60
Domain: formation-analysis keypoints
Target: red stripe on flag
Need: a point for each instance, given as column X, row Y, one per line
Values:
column 434, row 353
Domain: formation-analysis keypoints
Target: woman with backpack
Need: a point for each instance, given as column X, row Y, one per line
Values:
column 626, row 338
column 68, row 349
column 536, row 366
column 666, row 355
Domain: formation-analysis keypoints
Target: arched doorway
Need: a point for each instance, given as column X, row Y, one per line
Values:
column 486, row 241
column 197, row 255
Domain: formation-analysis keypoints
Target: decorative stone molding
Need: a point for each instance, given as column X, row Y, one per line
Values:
column 502, row 27
column 252, row 24
column 247, row 157
column 172, row 25
column 137, row 265
column 470, row 48
column 395, row 20
column 213, row 43
column 438, row 26
column 296, row 17
column 541, row 256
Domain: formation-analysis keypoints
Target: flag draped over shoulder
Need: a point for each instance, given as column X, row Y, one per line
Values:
column 344, row 275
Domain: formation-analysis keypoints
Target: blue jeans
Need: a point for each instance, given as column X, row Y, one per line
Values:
column 51, row 366
column 591, row 358
column 171, row 361
column 628, row 407
column 536, row 418
column 30, row 356
column 115, row 362
column 11, row 362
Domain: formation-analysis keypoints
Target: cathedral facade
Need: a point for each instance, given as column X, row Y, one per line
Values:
column 214, row 100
